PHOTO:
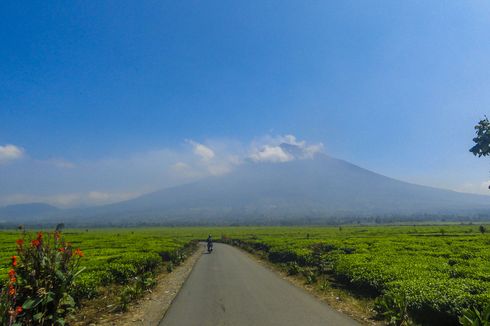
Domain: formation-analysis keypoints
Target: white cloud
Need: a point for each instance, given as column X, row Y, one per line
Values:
column 270, row 154
column 184, row 170
column 282, row 149
column 476, row 188
column 180, row 166
column 204, row 152
column 70, row 199
column 10, row 152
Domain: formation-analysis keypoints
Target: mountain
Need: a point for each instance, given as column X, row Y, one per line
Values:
column 31, row 210
column 316, row 189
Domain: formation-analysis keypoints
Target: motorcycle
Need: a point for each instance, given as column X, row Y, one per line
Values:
column 210, row 247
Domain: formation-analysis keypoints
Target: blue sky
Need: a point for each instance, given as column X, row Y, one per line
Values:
column 101, row 101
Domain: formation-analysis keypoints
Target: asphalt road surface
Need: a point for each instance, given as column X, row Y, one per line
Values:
column 228, row 288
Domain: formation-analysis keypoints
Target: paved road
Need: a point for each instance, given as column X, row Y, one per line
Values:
column 228, row 288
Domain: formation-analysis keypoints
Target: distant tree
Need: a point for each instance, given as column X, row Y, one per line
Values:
column 60, row 227
column 482, row 139
column 482, row 229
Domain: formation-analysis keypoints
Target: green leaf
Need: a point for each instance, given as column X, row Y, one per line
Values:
column 38, row 316
column 28, row 304
column 49, row 297
column 67, row 300
column 78, row 273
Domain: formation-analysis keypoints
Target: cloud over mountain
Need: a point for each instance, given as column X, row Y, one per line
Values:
column 283, row 149
column 67, row 182
column 10, row 153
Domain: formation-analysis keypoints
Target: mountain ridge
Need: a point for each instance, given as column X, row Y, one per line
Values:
column 318, row 188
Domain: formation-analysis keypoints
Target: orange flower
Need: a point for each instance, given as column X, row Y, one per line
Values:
column 14, row 261
column 11, row 290
column 36, row 243
column 78, row 252
column 20, row 242
column 39, row 235
column 18, row 310
column 13, row 279
column 61, row 249
column 11, row 273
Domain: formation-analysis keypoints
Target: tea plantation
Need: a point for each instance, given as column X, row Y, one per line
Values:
column 431, row 274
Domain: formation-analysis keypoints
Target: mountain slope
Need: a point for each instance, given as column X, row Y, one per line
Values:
column 26, row 210
column 317, row 188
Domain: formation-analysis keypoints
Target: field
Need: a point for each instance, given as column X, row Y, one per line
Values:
column 430, row 273
column 115, row 256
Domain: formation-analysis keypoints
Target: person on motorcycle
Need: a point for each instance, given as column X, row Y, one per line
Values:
column 210, row 242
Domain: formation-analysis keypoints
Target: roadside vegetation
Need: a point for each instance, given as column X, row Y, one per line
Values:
column 417, row 274
column 432, row 275
column 117, row 267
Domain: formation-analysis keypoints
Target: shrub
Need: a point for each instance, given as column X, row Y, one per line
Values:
column 474, row 317
column 310, row 276
column 394, row 308
column 293, row 268
column 41, row 281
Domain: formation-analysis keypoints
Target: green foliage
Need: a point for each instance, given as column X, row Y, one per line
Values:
column 41, row 281
column 126, row 257
column 310, row 276
column 431, row 278
column 482, row 139
column 128, row 294
column 293, row 268
column 475, row 317
column 482, row 229
column 416, row 273
column 170, row 267
column 394, row 309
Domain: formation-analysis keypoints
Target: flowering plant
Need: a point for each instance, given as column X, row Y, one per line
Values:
column 40, row 281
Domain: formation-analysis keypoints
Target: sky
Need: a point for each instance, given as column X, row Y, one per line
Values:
column 104, row 101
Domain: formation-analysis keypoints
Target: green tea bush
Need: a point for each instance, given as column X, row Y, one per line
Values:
column 417, row 275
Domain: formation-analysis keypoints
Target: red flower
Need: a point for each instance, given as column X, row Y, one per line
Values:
column 13, row 280
column 20, row 242
column 14, row 261
column 18, row 310
column 11, row 273
column 78, row 252
column 11, row 290
column 36, row 243
column 61, row 249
